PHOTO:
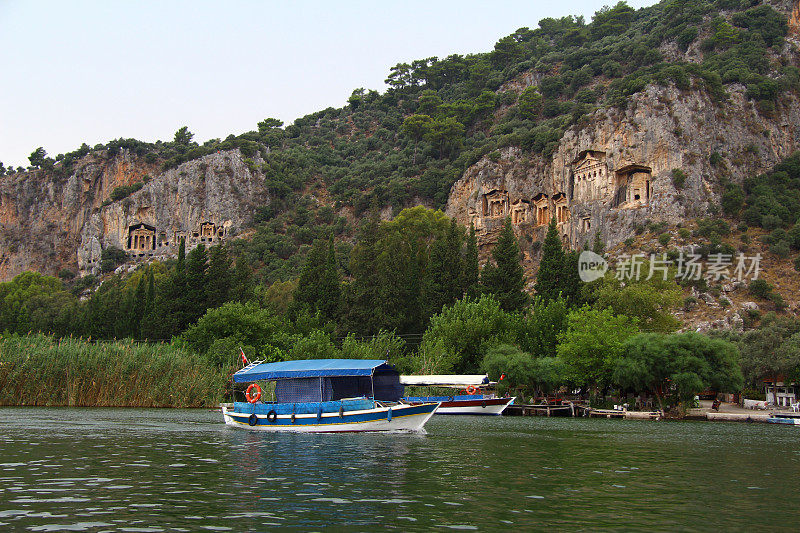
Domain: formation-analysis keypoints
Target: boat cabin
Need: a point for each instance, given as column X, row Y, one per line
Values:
column 326, row 380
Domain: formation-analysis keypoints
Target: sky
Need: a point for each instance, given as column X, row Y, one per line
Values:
column 92, row 71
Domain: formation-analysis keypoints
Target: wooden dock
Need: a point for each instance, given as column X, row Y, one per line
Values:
column 564, row 409
column 574, row 409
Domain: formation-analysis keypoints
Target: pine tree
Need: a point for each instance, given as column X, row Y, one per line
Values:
column 548, row 279
column 506, row 278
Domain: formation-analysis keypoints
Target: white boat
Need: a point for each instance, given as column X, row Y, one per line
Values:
column 475, row 402
column 326, row 395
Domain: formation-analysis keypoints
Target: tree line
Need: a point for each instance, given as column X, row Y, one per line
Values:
column 413, row 292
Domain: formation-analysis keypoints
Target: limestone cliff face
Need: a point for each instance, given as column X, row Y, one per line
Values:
column 50, row 221
column 42, row 213
column 616, row 171
column 206, row 200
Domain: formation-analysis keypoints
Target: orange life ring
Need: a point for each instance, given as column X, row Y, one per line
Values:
column 254, row 398
column 471, row 389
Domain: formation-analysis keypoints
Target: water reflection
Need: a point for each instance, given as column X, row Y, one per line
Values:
column 170, row 470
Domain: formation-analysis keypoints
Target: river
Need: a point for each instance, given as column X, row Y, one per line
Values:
column 183, row 470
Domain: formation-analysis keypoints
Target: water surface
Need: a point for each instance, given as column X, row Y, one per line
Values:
column 183, row 470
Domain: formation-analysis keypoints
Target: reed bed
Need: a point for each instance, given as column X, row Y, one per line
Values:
column 42, row 370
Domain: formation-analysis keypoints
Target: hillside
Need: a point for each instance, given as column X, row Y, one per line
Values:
column 639, row 117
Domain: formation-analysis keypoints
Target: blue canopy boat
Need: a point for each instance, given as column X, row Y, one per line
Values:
column 327, row 395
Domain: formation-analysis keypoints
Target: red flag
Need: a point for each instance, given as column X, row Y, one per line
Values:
column 502, row 377
column 245, row 362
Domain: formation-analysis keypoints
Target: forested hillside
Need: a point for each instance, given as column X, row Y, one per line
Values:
column 326, row 237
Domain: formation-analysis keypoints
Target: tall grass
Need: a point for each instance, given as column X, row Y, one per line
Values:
column 42, row 370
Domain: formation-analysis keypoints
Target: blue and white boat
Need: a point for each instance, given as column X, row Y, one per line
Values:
column 327, row 395
column 784, row 418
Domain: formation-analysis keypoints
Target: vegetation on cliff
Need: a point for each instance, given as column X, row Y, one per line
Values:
column 441, row 115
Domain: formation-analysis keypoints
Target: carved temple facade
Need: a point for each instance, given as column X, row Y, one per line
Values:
column 589, row 182
column 144, row 240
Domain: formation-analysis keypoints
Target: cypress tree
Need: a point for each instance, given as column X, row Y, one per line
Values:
column 598, row 247
column 470, row 271
column 242, row 285
column 318, row 287
column 149, row 305
column 331, row 293
column 453, row 266
column 219, row 276
column 138, row 309
column 194, row 303
column 548, row 279
column 180, row 266
column 506, row 278
column 571, row 281
column 364, row 305
column 443, row 278
column 434, row 286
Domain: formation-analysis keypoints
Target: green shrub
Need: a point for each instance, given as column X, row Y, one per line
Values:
column 760, row 289
column 684, row 233
column 125, row 190
column 664, row 239
column 732, row 200
column 678, row 178
column 780, row 248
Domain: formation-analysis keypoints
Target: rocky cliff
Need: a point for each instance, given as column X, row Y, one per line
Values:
column 617, row 171
column 50, row 221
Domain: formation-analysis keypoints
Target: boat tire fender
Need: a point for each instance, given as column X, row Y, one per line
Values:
column 450, row 399
column 252, row 420
column 294, row 417
column 483, row 404
column 272, row 416
column 341, row 411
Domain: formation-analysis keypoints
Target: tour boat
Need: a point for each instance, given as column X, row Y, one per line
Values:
column 785, row 418
column 326, row 395
column 472, row 403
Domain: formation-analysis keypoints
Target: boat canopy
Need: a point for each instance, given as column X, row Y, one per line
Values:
column 453, row 380
column 310, row 368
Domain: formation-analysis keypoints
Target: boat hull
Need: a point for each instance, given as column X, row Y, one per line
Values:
column 792, row 421
column 409, row 418
column 468, row 406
